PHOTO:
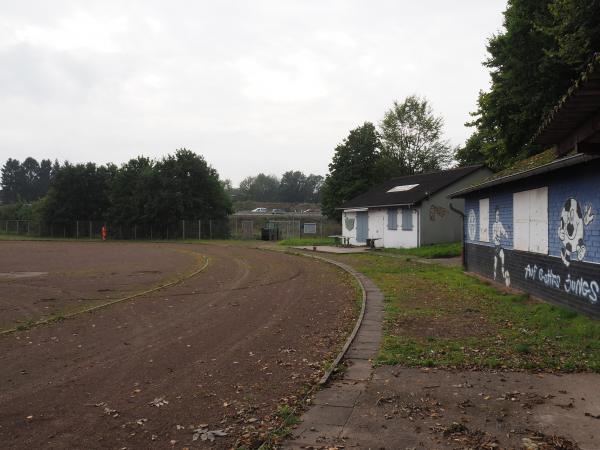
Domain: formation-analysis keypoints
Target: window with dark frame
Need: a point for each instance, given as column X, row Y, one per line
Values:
column 392, row 222
column 407, row 219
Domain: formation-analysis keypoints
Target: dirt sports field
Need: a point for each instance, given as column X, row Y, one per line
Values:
column 221, row 349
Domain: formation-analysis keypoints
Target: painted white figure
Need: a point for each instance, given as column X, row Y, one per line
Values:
column 472, row 225
column 571, row 230
column 499, row 232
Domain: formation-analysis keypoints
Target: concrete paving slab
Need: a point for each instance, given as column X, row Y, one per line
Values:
column 358, row 369
column 320, row 415
column 361, row 354
column 339, row 394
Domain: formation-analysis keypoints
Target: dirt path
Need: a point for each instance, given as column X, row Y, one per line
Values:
column 223, row 349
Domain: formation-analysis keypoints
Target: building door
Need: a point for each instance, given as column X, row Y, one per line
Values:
column 362, row 226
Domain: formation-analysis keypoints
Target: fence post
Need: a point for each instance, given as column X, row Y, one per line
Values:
column 18, row 226
column 151, row 232
column 210, row 228
column 77, row 229
column 90, row 229
column 199, row 229
column 135, row 232
column 183, row 228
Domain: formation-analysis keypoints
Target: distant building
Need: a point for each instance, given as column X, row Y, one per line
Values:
column 410, row 211
column 536, row 226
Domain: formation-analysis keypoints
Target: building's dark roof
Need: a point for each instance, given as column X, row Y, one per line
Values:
column 428, row 184
column 580, row 102
column 528, row 171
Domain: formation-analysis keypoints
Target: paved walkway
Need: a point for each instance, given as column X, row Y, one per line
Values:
column 325, row 422
column 333, row 249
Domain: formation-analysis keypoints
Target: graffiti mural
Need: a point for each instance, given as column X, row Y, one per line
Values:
column 437, row 211
column 472, row 225
column 499, row 232
column 571, row 231
column 349, row 224
column 586, row 289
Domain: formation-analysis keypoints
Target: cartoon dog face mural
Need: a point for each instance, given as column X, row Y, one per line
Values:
column 571, row 230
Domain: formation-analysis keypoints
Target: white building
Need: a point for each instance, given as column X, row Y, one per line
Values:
column 410, row 211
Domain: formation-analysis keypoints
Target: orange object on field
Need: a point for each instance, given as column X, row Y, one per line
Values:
column 103, row 232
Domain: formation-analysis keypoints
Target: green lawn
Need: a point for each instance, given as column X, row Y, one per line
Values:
column 447, row 250
column 298, row 242
column 439, row 317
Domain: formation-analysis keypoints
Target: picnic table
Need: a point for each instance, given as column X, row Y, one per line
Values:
column 371, row 242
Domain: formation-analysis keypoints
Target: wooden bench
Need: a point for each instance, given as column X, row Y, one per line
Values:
column 343, row 241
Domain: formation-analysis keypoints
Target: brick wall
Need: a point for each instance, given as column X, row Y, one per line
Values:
column 546, row 276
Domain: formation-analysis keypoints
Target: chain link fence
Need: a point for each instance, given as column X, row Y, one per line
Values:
column 232, row 227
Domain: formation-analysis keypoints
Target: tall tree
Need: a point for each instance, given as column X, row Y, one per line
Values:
column 352, row 170
column 312, row 188
column 30, row 172
column 188, row 189
column 13, row 181
column 292, row 187
column 532, row 62
column 262, row 188
column 79, row 192
column 411, row 139
column 132, row 192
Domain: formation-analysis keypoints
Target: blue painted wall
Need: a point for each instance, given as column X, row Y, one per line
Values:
column 571, row 282
column 584, row 186
column 504, row 202
column 586, row 190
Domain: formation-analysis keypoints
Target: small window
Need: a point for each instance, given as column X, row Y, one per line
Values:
column 407, row 219
column 392, row 222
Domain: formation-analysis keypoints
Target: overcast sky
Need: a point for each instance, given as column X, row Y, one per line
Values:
column 254, row 86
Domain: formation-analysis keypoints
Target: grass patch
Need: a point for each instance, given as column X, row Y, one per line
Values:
column 437, row 316
column 298, row 242
column 448, row 250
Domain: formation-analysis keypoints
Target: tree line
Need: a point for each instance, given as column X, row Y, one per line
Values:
column 176, row 187
column 293, row 187
column 28, row 180
column 542, row 49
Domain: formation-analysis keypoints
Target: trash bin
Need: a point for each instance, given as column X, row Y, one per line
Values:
column 265, row 234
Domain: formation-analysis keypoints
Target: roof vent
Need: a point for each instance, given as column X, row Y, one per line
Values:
column 403, row 188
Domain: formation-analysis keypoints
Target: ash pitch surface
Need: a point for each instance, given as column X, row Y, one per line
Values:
column 223, row 348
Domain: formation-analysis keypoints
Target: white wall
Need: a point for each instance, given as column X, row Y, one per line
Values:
column 349, row 233
column 400, row 238
column 378, row 229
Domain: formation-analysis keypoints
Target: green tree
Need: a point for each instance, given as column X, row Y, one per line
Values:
column 13, row 181
column 292, row 187
column 312, row 188
column 541, row 50
column 411, row 139
column 353, row 169
column 188, row 189
column 132, row 192
column 262, row 188
column 79, row 192
column 30, row 169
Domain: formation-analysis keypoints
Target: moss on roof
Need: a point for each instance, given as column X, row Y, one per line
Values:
column 523, row 165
